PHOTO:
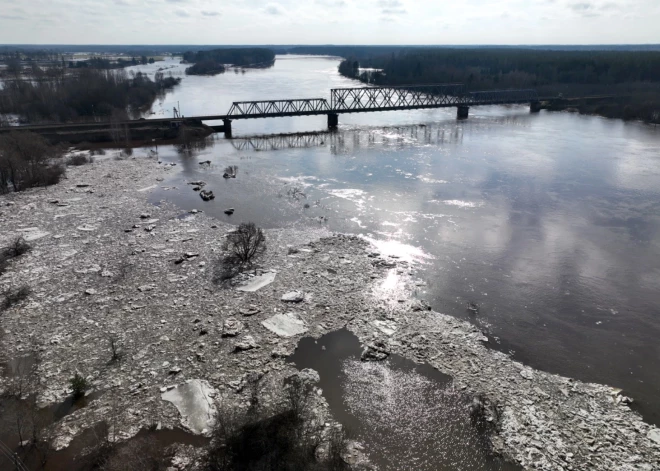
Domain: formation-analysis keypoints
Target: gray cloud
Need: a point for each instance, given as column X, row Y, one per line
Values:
column 584, row 9
column 274, row 9
column 141, row 21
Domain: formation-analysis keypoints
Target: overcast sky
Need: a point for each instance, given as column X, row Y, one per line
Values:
column 329, row 21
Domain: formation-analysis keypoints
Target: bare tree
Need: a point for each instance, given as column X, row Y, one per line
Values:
column 27, row 160
column 246, row 242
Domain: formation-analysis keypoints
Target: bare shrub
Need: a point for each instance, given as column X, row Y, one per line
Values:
column 28, row 160
column 21, row 376
column 116, row 353
column 17, row 247
column 97, row 152
column 79, row 159
column 285, row 438
column 246, row 242
column 296, row 193
column 258, row 443
column 13, row 296
column 20, row 415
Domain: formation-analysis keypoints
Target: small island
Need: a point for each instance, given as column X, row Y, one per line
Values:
column 216, row 61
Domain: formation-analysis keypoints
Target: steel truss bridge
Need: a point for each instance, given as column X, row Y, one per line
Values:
column 356, row 100
column 371, row 99
column 342, row 100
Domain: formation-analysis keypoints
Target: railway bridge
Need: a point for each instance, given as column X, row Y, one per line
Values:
column 342, row 100
column 372, row 99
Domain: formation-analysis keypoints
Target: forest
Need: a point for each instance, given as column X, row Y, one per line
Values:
column 634, row 75
column 214, row 61
column 84, row 95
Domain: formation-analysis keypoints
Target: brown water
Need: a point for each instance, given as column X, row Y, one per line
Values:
column 17, row 418
column 406, row 415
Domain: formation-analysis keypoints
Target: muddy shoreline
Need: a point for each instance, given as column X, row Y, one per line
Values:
column 104, row 262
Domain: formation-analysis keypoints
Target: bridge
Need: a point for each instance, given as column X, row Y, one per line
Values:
column 372, row 99
column 342, row 100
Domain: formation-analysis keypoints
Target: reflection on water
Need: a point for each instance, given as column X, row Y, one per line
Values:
column 406, row 415
column 548, row 221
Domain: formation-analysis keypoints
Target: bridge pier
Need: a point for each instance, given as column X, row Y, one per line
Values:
column 227, row 126
column 333, row 120
column 462, row 112
column 535, row 107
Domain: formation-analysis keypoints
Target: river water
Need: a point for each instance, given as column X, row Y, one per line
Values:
column 549, row 221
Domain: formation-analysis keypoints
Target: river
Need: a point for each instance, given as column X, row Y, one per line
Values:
column 549, row 221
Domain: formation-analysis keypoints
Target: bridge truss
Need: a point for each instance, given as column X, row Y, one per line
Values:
column 356, row 100
column 349, row 100
column 277, row 108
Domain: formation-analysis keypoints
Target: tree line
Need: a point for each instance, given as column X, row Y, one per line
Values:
column 86, row 94
column 103, row 63
column 214, row 61
column 634, row 74
column 490, row 68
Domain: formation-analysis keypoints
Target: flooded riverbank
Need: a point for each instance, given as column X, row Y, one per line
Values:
column 544, row 225
column 558, row 243
column 407, row 415
column 107, row 258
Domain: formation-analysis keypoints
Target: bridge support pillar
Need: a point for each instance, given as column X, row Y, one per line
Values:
column 462, row 112
column 227, row 126
column 535, row 107
column 333, row 120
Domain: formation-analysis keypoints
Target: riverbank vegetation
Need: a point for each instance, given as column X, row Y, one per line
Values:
column 84, row 95
column 47, row 59
column 634, row 75
column 215, row 61
column 27, row 160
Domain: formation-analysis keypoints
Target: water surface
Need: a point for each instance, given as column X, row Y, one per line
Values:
column 549, row 221
column 407, row 416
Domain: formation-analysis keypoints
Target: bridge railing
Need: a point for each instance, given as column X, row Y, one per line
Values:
column 502, row 96
column 400, row 97
column 275, row 108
